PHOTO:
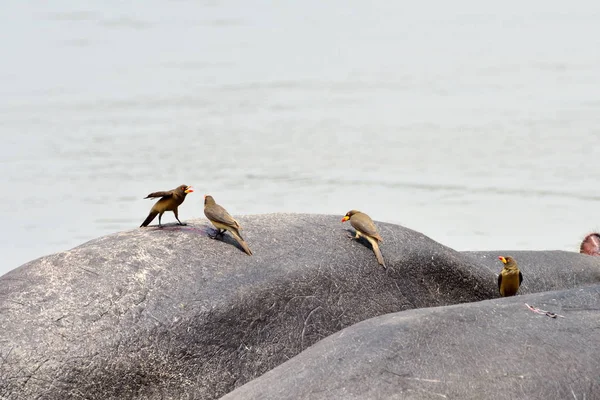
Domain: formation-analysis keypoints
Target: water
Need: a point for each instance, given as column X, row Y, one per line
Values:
column 474, row 123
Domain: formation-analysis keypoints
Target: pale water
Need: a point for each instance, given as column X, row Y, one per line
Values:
column 476, row 124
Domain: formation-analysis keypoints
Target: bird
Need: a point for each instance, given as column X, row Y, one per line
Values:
column 223, row 221
column 510, row 277
column 169, row 201
column 364, row 226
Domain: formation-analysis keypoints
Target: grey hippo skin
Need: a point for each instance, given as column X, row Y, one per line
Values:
column 172, row 314
column 494, row 349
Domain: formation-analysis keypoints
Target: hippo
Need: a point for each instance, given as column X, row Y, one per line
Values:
column 535, row 346
column 172, row 313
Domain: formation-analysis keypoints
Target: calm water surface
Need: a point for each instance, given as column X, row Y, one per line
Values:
column 476, row 124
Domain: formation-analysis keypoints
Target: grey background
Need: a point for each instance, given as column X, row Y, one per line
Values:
column 475, row 124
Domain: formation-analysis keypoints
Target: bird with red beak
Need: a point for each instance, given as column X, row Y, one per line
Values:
column 510, row 277
column 365, row 227
column 169, row 201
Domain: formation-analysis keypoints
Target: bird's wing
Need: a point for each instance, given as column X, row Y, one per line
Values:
column 365, row 226
column 219, row 214
column 520, row 278
column 499, row 281
column 159, row 194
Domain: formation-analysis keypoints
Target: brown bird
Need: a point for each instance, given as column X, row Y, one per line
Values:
column 223, row 221
column 169, row 201
column 364, row 226
column 510, row 277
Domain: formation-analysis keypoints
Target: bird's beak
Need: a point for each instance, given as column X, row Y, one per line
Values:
column 189, row 189
column 502, row 259
column 346, row 218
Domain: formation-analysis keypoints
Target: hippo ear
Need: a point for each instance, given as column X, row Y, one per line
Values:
column 590, row 245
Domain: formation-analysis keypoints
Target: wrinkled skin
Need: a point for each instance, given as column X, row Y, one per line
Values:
column 169, row 313
column 494, row 349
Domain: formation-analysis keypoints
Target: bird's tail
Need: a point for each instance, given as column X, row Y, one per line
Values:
column 236, row 235
column 149, row 218
column 376, row 251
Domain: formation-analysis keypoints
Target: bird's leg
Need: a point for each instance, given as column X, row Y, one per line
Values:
column 356, row 236
column 177, row 217
column 159, row 217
